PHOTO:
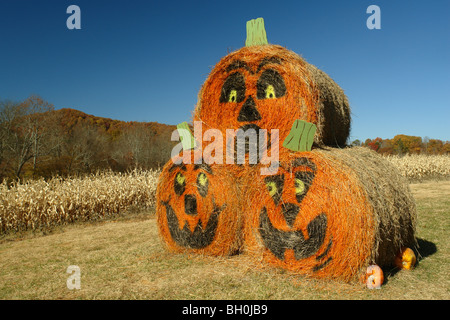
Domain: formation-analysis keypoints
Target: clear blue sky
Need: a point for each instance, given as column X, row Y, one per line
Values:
column 146, row 60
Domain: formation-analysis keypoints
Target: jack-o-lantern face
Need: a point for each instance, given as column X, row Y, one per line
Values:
column 261, row 87
column 205, row 226
column 294, row 218
column 281, row 231
column 194, row 212
column 278, row 239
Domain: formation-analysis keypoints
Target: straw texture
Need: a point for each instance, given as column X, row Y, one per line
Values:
column 328, row 213
column 269, row 86
column 197, row 209
column 334, row 109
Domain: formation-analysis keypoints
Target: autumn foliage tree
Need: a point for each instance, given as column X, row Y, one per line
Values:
column 374, row 144
column 403, row 144
column 37, row 140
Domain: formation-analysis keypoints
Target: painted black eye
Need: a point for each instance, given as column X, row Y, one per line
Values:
column 202, row 184
column 270, row 85
column 275, row 186
column 303, row 180
column 233, row 89
column 179, row 184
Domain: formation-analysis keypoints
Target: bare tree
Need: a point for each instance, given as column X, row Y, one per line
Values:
column 39, row 124
column 85, row 146
column 16, row 139
column 160, row 148
column 23, row 127
column 425, row 141
column 9, row 113
column 133, row 147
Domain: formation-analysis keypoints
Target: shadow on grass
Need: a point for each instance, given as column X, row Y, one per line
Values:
column 424, row 249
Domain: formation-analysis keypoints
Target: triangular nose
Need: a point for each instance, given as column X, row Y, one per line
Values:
column 290, row 212
column 248, row 111
column 190, row 204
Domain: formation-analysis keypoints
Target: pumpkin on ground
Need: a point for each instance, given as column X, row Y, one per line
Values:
column 197, row 208
column 405, row 259
column 328, row 213
column 374, row 277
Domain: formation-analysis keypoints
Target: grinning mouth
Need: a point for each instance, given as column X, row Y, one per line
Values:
column 277, row 241
column 199, row 238
column 250, row 140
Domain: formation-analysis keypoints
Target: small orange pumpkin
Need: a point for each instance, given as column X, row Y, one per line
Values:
column 197, row 208
column 406, row 259
column 374, row 277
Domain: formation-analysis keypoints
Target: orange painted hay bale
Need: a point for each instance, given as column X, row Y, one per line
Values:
column 390, row 197
column 267, row 86
column 197, row 209
column 329, row 213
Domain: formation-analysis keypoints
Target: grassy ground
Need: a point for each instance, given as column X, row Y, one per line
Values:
column 124, row 259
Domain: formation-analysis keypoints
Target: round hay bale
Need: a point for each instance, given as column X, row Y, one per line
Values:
column 333, row 107
column 197, row 209
column 267, row 87
column 329, row 213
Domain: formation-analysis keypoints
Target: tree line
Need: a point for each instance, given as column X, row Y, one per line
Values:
column 38, row 141
column 403, row 144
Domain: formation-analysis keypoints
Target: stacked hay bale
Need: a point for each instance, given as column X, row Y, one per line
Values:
column 334, row 109
column 268, row 86
column 329, row 213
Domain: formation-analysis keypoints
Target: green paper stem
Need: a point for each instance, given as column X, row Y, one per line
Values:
column 256, row 33
column 301, row 136
column 187, row 139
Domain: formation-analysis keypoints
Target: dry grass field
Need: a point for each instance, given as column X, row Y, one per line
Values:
column 123, row 258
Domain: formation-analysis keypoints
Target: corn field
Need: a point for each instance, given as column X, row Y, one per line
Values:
column 420, row 167
column 39, row 204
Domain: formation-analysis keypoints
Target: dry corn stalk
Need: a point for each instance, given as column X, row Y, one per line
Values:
column 41, row 204
column 419, row 167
